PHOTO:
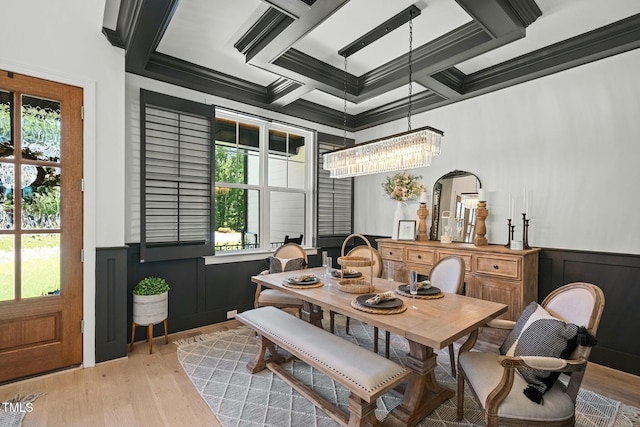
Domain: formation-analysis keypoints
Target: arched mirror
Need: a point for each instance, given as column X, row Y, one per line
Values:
column 455, row 198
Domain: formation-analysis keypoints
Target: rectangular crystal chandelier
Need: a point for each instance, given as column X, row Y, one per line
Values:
column 407, row 150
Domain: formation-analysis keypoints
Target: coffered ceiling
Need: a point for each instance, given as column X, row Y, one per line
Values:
column 283, row 55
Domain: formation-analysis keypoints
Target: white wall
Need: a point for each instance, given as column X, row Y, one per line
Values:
column 62, row 41
column 572, row 139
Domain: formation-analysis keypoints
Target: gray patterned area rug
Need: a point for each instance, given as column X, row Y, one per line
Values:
column 216, row 364
column 12, row 412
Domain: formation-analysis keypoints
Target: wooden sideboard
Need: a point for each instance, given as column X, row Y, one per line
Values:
column 492, row 272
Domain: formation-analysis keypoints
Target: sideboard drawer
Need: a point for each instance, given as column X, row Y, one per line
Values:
column 466, row 257
column 393, row 253
column 503, row 267
column 422, row 256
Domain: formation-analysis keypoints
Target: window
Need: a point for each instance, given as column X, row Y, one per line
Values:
column 214, row 181
column 262, row 185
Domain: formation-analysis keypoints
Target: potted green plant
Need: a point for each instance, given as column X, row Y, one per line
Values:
column 150, row 301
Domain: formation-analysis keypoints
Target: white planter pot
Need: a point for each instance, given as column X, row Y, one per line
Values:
column 150, row 309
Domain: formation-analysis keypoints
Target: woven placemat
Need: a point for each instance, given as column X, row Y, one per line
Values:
column 407, row 294
column 291, row 285
column 355, row 304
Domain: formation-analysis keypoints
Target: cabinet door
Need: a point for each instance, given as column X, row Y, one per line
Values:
column 503, row 291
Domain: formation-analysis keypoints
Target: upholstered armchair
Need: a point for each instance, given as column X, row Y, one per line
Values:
column 287, row 257
column 521, row 386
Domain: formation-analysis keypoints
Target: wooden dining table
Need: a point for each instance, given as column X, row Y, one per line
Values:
column 432, row 325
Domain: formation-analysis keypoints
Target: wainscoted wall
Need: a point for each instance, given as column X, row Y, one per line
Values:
column 111, row 303
column 618, row 276
column 202, row 295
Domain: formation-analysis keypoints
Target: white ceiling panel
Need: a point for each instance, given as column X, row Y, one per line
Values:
column 203, row 32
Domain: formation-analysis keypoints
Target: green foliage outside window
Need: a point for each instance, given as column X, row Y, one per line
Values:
column 230, row 202
column 41, row 141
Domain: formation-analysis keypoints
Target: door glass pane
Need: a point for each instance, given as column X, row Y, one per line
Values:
column 7, row 270
column 6, row 196
column 40, row 197
column 40, row 129
column 237, row 219
column 40, row 265
column 6, row 140
column 287, row 216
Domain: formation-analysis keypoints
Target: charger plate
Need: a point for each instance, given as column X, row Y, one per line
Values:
column 311, row 281
column 434, row 293
column 368, row 309
column 316, row 284
column 338, row 274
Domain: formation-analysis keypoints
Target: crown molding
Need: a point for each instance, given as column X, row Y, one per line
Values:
column 609, row 40
column 526, row 10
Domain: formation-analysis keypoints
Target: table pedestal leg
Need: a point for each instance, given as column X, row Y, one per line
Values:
column 312, row 313
column 423, row 394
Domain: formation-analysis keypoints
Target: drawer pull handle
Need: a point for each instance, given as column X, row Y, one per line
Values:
column 419, row 256
column 390, row 253
column 495, row 266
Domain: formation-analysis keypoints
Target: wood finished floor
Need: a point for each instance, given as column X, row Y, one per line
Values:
column 152, row 390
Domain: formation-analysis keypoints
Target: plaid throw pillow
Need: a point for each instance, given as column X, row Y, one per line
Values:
column 538, row 333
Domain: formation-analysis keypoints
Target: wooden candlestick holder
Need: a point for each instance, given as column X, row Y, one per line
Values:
column 481, row 227
column 423, row 213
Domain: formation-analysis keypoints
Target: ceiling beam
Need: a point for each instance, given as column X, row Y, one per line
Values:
column 496, row 24
column 262, row 32
column 151, row 23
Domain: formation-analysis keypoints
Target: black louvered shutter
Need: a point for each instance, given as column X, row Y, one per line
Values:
column 176, row 170
column 335, row 197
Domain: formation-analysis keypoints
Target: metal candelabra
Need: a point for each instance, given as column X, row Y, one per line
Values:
column 510, row 230
column 525, row 231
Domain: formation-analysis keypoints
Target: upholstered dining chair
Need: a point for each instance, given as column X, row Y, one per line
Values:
column 362, row 251
column 287, row 257
column 510, row 388
column 448, row 275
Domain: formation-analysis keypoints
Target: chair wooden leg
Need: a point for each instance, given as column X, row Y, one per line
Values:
column 133, row 334
column 347, row 326
column 166, row 334
column 460, row 395
column 452, row 359
column 375, row 339
column 387, row 343
column 150, row 337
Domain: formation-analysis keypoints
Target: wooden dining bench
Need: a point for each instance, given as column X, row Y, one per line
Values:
column 364, row 373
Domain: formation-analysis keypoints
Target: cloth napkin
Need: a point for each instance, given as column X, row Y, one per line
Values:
column 425, row 284
column 305, row 278
column 382, row 296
